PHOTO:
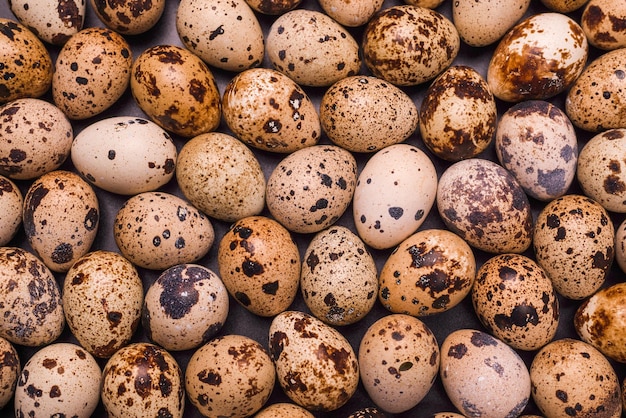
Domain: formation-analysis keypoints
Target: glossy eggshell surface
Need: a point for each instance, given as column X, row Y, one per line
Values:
column 603, row 23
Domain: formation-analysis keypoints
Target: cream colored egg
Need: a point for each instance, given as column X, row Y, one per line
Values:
column 602, row 21
column 11, row 203
column 283, row 410
column 129, row 17
column 350, row 13
column 10, row 369
column 53, row 21
column 620, row 245
column 564, row 6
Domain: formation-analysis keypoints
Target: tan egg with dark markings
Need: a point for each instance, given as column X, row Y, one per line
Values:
column 603, row 22
column 129, row 17
column 273, row 7
column 10, row 369
column 353, row 13
column 53, row 21
column 283, row 410
column 620, row 245
column 11, row 203
column 564, row 6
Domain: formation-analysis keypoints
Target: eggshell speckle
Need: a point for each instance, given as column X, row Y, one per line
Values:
column 604, row 23
column 53, row 21
column 129, row 17
column 11, row 202
column 10, row 369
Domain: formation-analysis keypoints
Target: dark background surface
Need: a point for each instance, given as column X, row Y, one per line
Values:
column 241, row 321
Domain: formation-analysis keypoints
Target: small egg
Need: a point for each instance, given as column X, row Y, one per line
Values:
column 572, row 378
column 61, row 217
column 483, row 376
column 102, row 318
column 11, row 203
column 259, row 264
column 430, row 272
column 351, row 14
column 399, row 362
column 620, row 245
column 283, row 410
column 573, row 241
column 10, row 369
column 564, row 6
column 367, row 412
column 230, row 376
column 53, row 21
column 185, row 307
column 157, row 230
column 273, row 7
column 447, row 415
column 59, row 380
column 430, row 4
column 603, row 23
column 315, row 365
column 129, row 17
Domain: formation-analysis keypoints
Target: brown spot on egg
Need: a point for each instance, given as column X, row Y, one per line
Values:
column 457, row 351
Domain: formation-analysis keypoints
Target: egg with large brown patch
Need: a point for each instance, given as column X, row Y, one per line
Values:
column 129, row 17
column 52, row 21
column 604, row 23
column 10, row 369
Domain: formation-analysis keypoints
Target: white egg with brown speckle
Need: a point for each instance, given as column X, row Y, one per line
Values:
column 11, row 203
column 129, row 17
column 351, row 14
column 10, row 369
column 53, row 21
column 603, row 23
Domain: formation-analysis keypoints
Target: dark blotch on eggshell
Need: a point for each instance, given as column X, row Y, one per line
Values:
column 457, row 351
column 179, row 293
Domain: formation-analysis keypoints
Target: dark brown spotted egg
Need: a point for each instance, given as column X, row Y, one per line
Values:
column 52, row 21
column 564, row 6
column 273, row 7
column 11, row 203
column 283, row 410
column 603, row 23
column 142, row 379
column 367, row 412
column 185, row 307
column 10, row 369
column 129, row 17
column 230, row 376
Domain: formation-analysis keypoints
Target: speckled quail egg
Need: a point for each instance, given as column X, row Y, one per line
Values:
column 221, row 176
column 157, row 230
column 92, row 72
column 61, row 216
column 230, row 376
column 620, row 245
column 10, row 369
column 430, row 4
column 603, row 23
column 101, row 316
column 273, row 7
column 259, row 264
column 283, row 410
column 185, row 307
column 35, row 138
column 59, row 380
column 367, row 412
column 351, row 14
column 53, row 21
column 316, row 366
column 564, row 6
column 11, row 202
column 447, row 415
column 399, row 362
column 129, row 17
column 573, row 241
column 484, row 204
column 430, row 272
column 572, row 378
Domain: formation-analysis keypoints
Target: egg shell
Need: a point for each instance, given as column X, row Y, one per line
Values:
column 273, row 7
column 129, row 17
column 259, row 264
column 311, row 48
column 101, row 316
column 92, row 71
column 366, row 114
column 311, row 188
column 516, row 302
column 157, row 230
column 176, row 89
column 482, row 375
column 230, row 376
column 124, row 155
column 339, row 279
column 399, row 362
column 36, row 138
column 481, row 23
column 221, row 176
column 537, row 143
column 315, row 365
column 351, row 14
column 620, row 245
column 60, row 379
column 599, row 169
column 458, row 114
column 185, row 307
column 570, row 377
column 367, row 412
column 538, row 58
column 142, row 379
column 408, row 45
column 10, row 369
column 564, row 6
column 25, row 64
column 11, row 202
column 53, row 21
column 226, row 34
column 269, row 111
column 573, row 241
column 447, row 415
column 283, row 410
column 485, row 205
column 604, row 24
column 61, row 216
column 430, row 272
column 386, row 207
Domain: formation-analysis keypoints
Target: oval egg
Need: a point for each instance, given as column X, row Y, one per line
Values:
column 129, row 17
column 564, row 6
column 603, row 23
column 53, row 21
column 10, row 369
column 620, row 245
column 351, row 14
column 11, row 203
column 273, row 7
column 283, row 410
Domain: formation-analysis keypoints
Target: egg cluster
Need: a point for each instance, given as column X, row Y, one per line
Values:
column 313, row 208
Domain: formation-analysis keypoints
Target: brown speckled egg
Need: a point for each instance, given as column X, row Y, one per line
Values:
column 620, row 245
column 267, row 110
column 564, row 6
column 129, row 17
column 311, row 48
column 230, row 376
column 484, row 204
column 429, row 272
column 538, row 58
column 516, row 302
column 101, row 316
column 141, row 380
column 185, row 307
column 366, row 114
column 11, row 203
column 283, row 410
column 430, row 4
column 458, row 114
column 59, row 380
column 316, row 366
column 574, row 243
column 35, row 138
column 273, row 7
column 27, row 318
column 447, row 415
column 570, row 378
column 10, row 369
column 311, row 188
column 483, row 376
column 92, row 72
column 367, row 412
column 25, row 64
column 408, row 45
column 536, row 142
column 399, row 361
column 339, row 278
column 353, row 13
column 603, row 23
column 61, row 217
column 53, row 21
column 176, row 89
column 259, row 263
column 156, row 230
